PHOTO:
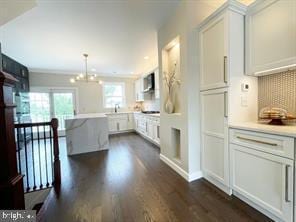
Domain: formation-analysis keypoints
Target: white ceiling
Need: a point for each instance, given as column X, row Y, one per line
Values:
column 117, row 35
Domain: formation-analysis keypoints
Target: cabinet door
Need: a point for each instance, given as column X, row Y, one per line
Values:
column 139, row 90
column 112, row 125
column 156, row 131
column 213, row 53
column 156, row 90
column 122, row 125
column 150, row 129
column 265, row 179
column 130, row 121
column 270, row 36
column 215, row 135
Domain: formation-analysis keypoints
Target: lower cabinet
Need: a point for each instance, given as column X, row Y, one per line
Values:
column 120, row 122
column 264, row 179
column 146, row 125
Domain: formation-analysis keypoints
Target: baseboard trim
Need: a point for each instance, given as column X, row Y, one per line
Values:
column 189, row 177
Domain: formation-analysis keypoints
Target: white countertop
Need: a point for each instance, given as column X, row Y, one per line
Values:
column 88, row 116
column 285, row 130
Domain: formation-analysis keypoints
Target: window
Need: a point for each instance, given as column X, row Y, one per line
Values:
column 113, row 93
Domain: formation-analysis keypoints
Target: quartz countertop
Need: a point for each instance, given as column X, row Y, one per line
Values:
column 283, row 130
column 88, row 116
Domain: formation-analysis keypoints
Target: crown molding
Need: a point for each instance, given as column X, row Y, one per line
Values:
column 64, row 72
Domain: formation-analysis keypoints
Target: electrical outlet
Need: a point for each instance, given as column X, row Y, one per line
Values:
column 245, row 87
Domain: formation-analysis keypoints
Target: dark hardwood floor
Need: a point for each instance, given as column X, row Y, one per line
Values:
column 130, row 183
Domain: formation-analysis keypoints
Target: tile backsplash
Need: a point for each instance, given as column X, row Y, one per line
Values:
column 278, row 90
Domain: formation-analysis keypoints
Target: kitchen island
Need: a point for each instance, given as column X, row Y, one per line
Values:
column 87, row 133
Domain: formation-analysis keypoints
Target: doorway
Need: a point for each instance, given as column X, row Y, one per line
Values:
column 46, row 104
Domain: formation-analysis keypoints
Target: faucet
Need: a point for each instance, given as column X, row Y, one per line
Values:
column 116, row 108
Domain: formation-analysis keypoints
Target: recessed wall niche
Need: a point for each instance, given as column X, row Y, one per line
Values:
column 170, row 64
column 176, row 143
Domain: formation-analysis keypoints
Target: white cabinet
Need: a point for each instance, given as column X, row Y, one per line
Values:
column 270, row 36
column 156, row 79
column 112, row 125
column 148, row 126
column 214, row 137
column 130, row 121
column 263, row 178
column 214, row 53
column 139, row 90
column 120, row 122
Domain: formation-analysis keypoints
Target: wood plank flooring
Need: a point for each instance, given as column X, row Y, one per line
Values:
column 130, row 183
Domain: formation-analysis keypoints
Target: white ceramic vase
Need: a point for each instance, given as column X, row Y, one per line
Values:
column 169, row 106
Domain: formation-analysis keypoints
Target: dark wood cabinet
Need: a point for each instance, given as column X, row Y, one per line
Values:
column 19, row 71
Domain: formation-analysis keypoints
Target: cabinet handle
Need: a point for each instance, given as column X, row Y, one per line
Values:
column 146, row 127
column 287, row 183
column 117, row 126
column 225, row 69
column 225, row 104
column 158, row 132
column 256, row 141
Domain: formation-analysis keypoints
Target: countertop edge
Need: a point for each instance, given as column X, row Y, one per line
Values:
column 288, row 131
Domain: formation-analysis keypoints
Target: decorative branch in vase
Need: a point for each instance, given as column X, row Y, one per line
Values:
column 170, row 81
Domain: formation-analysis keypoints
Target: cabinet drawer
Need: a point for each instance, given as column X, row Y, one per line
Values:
column 118, row 116
column 274, row 144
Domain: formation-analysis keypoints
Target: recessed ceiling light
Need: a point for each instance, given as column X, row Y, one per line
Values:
column 132, row 72
column 93, row 69
column 146, row 57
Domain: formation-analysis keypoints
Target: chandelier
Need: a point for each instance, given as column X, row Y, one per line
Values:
column 86, row 77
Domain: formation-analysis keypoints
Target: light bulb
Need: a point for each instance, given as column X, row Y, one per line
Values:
column 91, row 78
column 100, row 82
column 77, row 77
column 81, row 75
column 72, row 80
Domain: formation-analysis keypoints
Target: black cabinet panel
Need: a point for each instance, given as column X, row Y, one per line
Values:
column 19, row 71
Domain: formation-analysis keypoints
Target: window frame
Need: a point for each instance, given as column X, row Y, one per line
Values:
column 122, row 84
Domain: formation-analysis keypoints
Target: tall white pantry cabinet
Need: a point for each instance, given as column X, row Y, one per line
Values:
column 221, row 68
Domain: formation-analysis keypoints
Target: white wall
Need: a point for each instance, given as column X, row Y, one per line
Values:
column 90, row 99
column 183, row 23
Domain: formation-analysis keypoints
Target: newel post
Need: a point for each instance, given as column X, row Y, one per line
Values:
column 56, row 163
column 11, row 182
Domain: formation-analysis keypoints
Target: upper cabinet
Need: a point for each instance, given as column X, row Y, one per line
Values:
column 20, row 72
column 139, row 90
column 156, row 79
column 270, row 37
column 214, row 53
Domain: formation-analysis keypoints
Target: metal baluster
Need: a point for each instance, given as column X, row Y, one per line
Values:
column 19, row 150
column 44, row 135
column 38, row 138
column 33, row 158
column 51, row 153
column 26, row 156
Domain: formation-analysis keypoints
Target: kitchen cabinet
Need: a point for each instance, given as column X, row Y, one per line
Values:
column 148, row 126
column 221, row 65
column 270, row 37
column 215, row 159
column 156, row 90
column 20, row 72
column 130, row 121
column 120, row 122
column 214, row 53
column 262, row 171
column 139, row 90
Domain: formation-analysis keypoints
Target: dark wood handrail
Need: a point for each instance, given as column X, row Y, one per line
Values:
column 26, row 125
